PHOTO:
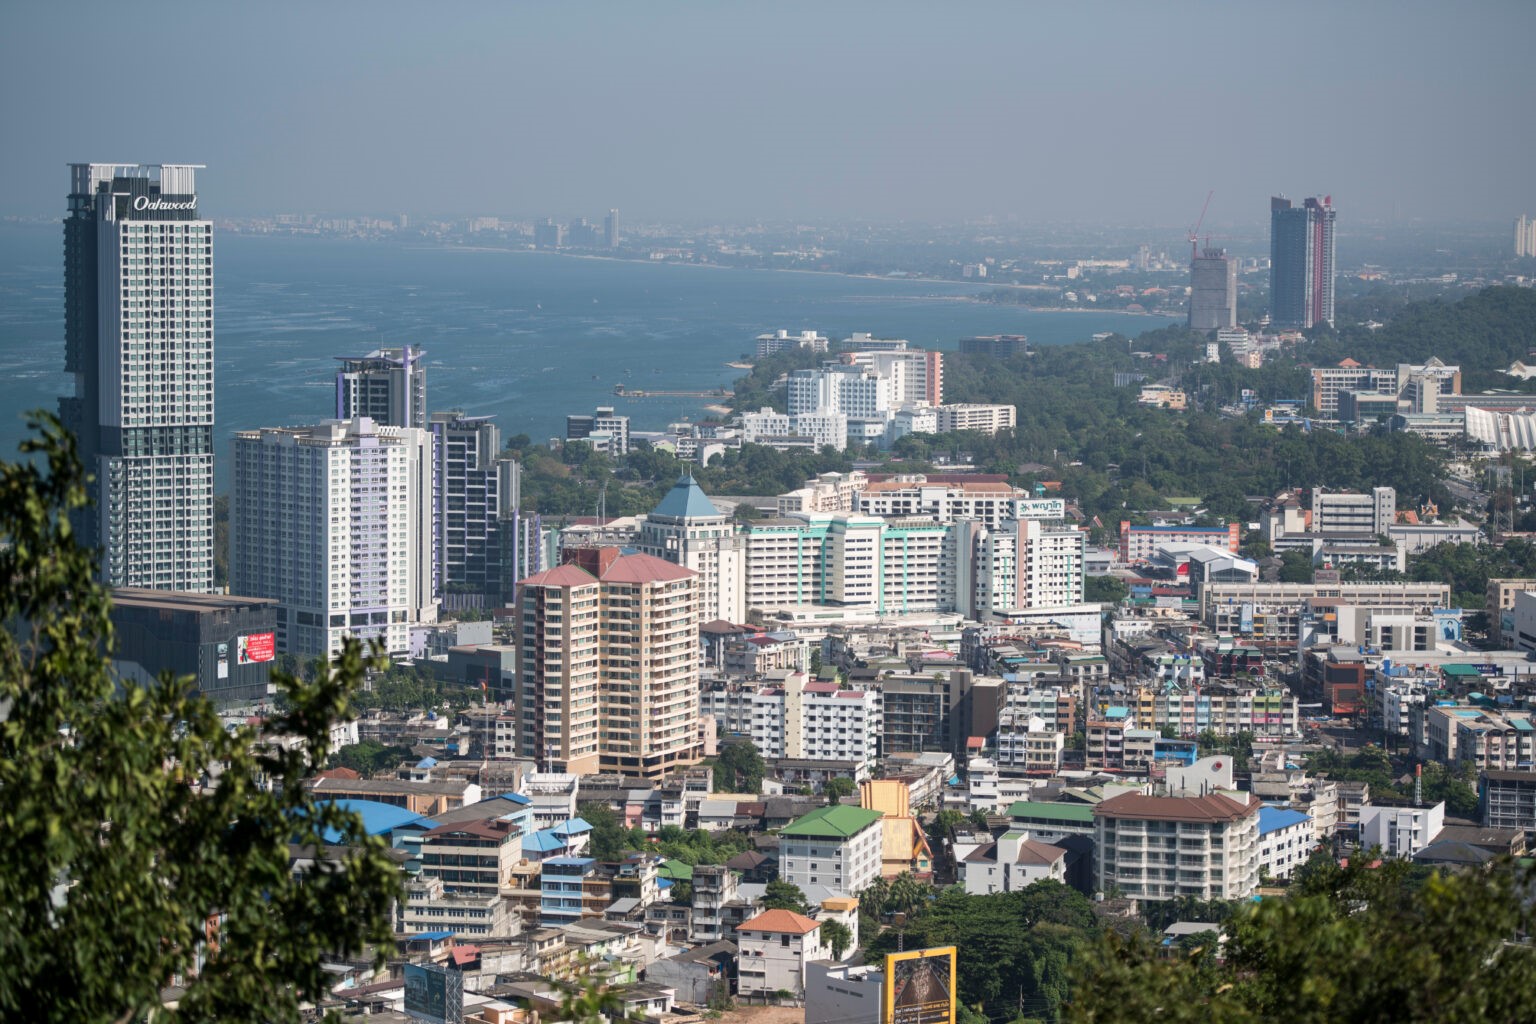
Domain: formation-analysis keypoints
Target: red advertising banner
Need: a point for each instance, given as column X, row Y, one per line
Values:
column 257, row 647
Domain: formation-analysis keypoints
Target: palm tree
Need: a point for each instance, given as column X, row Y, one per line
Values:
column 875, row 896
column 907, row 894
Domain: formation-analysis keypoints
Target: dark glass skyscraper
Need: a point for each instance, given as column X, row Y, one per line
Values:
column 1212, row 291
column 1301, row 264
column 138, row 338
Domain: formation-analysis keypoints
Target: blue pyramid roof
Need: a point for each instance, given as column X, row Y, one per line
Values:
column 685, row 501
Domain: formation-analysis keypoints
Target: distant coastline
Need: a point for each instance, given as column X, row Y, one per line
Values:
column 912, row 278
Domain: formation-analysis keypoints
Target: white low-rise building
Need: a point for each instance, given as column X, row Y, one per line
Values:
column 1286, row 840
column 1400, row 831
column 1012, row 863
column 775, row 947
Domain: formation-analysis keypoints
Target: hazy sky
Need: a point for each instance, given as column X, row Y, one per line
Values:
column 1118, row 112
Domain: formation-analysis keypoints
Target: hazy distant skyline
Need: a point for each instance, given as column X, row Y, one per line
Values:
column 1122, row 113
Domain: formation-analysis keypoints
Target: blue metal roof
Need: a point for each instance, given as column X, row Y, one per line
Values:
column 543, row 841
column 1272, row 819
column 378, row 817
column 685, row 501
column 572, row 827
column 516, row 798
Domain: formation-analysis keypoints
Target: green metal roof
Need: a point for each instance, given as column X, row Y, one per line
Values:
column 675, row 870
column 836, row 822
column 1030, row 809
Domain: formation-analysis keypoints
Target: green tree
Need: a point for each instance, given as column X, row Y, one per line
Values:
column 837, row 936
column 1016, row 947
column 836, row 789
column 368, row 757
column 1105, row 589
column 609, row 836
column 944, row 824
column 132, row 821
column 908, row 895
column 1295, row 567
column 739, row 768
column 1366, row 943
column 782, row 895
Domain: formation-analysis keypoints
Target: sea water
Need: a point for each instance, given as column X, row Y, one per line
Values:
column 527, row 337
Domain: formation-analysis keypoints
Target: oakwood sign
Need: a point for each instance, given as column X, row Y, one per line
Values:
column 146, row 203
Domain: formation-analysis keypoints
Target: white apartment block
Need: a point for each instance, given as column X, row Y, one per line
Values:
column 1016, row 565
column 1286, row 840
column 335, row 522
column 1348, row 512
column 138, row 294
column 889, row 565
column 838, row 847
column 428, row 908
column 1165, row 847
column 821, row 429
column 913, row 495
column 803, row 719
column 1400, row 831
column 829, row 492
column 984, row 419
column 916, row 375
column 916, row 419
column 850, row 390
column 783, row 341
column 1012, row 863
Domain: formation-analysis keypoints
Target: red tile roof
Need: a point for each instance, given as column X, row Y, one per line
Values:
column 491, row 828
column 1211, row 808
column 560, row 576
column 780, row 922
column 644, row 569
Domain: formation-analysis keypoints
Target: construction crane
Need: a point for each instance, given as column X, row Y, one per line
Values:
column 1194, row 232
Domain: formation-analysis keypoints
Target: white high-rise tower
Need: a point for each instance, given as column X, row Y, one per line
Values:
column 138, row 327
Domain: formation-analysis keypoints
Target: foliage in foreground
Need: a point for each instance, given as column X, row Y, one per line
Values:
column 1016, row 948
column 137, row 835
column 1360, row 944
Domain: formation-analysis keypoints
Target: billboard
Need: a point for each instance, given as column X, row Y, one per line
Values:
column 1040, row 508
column 433, row 995
column 920, row 986
column 1448, row 624
column 256, row 647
